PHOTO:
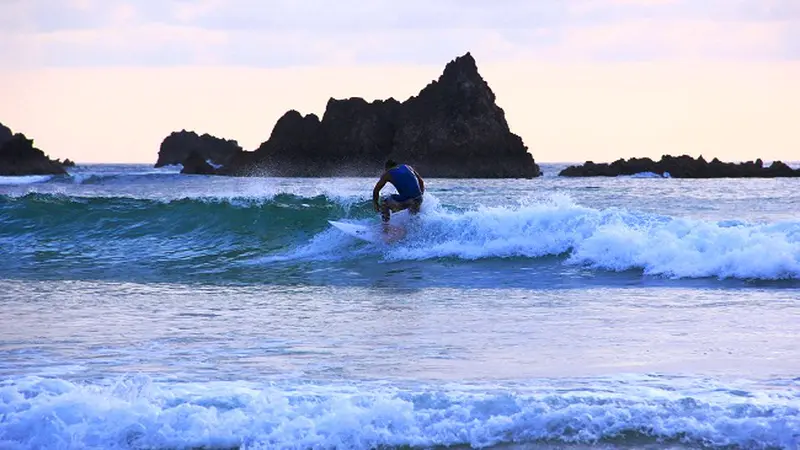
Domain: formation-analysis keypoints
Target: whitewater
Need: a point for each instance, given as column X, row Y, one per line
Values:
column 147, row 309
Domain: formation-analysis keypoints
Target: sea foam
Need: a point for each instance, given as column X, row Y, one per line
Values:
column 25, row 179
column 610, row 239
column 140, row 413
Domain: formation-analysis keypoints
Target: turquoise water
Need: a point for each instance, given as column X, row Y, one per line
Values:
column 146, row 309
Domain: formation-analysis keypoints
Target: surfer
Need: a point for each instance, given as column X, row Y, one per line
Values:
column 409, row 185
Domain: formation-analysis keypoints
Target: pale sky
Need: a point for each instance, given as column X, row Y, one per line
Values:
column 107, row 80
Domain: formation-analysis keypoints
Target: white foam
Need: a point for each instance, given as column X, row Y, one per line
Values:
column 648, row 175
column 610, row 239
column 106, row 175
column 172, row 168
column 139, row 413
column 211, row 163
column 25, row 179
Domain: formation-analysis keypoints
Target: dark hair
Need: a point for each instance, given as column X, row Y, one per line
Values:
column 390, row 163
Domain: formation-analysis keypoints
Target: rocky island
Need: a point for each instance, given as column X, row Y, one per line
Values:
column 452, row 129
column 682, row 167
column 18, row 156
column 180, row 146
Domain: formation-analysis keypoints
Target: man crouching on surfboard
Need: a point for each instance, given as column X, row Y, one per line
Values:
column 410, row 188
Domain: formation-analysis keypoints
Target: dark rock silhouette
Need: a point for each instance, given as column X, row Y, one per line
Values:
column 5, row 134
column 177, row 147
column 18, row 156
column 452, row 128
column 196, row 164
column 682, row 167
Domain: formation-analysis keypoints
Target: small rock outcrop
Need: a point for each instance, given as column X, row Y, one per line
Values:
column 177, row 147
column 453, row 128
column 682, row 167
column 18, row 156
column 196, row 164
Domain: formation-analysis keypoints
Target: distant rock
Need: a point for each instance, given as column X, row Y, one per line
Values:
column 682, row 167
column 452, row 128
column 177, row 147
column 18, row 156
column 196, row 164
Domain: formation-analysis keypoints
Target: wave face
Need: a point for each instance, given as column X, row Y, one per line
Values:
column 99, row 234
column 137, row 412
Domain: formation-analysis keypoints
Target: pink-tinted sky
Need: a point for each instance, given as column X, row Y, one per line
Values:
column 106, row 80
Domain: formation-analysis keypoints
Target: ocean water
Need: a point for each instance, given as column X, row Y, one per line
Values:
column 144, row 309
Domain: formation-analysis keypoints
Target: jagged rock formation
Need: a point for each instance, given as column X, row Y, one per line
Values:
column 452, row 128
column 18, row 156
column 682, row 167
column 177, row 147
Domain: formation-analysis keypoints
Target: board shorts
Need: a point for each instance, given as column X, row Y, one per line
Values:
column 395, row 202
column 400, row 199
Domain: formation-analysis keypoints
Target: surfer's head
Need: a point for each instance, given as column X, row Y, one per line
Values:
column 389, row 164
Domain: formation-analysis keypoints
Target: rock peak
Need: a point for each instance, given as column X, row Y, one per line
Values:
column 464, row 64
column 452, row 128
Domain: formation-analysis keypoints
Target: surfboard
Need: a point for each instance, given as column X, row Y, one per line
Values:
column 367, row 233
column 363, row 232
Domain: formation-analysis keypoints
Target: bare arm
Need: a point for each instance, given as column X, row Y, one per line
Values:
column 376, row 192
column 419, row 180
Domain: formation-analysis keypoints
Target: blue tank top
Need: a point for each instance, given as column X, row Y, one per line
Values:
column 405, row 182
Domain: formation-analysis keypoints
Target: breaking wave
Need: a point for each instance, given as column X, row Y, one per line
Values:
column 137, row 412
column 288, row 227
